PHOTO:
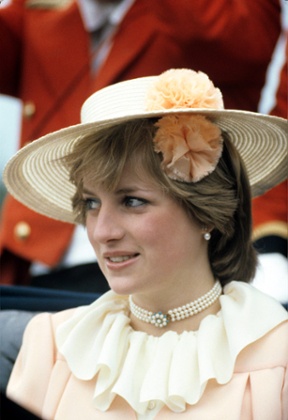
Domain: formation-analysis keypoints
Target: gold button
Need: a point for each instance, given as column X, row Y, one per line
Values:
column 151, row 405
column 22, row 231
column 29, row 109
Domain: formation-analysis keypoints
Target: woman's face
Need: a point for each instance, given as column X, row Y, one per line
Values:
column 144, row 240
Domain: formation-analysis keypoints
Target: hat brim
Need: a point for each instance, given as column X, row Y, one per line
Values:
column 36, row 176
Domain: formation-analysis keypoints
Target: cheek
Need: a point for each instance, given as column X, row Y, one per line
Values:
column 160, row 235
column 154, row 229
column 180, row 235
column 90, row 230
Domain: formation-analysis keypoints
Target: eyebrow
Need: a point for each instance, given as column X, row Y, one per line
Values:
column 130, row 190
column 86, row 191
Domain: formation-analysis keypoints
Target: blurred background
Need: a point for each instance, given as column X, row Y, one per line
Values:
column 11, row 108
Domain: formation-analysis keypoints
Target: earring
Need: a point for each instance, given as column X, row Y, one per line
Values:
column 207, row 236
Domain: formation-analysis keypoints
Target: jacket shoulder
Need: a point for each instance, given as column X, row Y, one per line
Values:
column 269, row 351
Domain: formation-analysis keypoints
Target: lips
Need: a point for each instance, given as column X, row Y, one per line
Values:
column 120, row 258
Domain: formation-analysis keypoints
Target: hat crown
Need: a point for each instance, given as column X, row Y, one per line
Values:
column 117, row 101
column 175, row 90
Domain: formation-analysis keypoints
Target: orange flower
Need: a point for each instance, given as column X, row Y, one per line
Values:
column 191, row 146
column 183, row 88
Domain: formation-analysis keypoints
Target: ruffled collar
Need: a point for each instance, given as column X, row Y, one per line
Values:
column 172, row 369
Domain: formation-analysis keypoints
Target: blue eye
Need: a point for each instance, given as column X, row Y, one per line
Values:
column 134, row 202
column 91, row 204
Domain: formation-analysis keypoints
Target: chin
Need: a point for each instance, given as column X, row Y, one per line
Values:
column 122, row 286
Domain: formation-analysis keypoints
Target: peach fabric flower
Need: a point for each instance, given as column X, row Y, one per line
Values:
column 183, row 88
column 191, row 146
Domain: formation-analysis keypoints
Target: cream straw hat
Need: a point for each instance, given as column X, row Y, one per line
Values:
column 36, row 176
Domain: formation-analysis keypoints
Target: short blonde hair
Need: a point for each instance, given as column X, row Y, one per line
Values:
column 221, row 201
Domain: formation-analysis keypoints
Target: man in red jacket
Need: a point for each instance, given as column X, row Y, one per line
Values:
column 270, row 209
column 270, row 228
column 52, row 62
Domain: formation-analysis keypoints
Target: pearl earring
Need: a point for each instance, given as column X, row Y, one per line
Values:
column 207, row 236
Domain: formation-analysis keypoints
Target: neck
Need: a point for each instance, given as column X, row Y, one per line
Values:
column 186, row 316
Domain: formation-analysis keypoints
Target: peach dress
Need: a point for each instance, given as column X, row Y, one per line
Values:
column 88, row 363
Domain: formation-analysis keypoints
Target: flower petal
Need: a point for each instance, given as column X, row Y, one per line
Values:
column 183, row 88
column 190, row 145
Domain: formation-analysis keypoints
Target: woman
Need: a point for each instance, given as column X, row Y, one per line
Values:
column 155, row 174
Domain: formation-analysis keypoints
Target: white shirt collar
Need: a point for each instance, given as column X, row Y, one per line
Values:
column 95, row 13
column 98, row 340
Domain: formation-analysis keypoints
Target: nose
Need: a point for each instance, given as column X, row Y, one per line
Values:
column 106, row 226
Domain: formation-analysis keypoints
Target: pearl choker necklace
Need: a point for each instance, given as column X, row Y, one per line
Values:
column 177, row 314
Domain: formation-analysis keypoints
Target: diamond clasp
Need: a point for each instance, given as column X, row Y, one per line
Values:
column 160, row 320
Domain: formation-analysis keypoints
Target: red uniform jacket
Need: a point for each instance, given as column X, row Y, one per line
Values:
column 270, row 209
column 45, row 61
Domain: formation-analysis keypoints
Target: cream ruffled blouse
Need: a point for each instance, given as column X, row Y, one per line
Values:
column 172, row 369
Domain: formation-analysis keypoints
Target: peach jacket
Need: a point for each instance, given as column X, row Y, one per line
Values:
column 88, row 363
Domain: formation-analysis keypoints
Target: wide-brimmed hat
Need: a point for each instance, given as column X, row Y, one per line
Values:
column 37, row 177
